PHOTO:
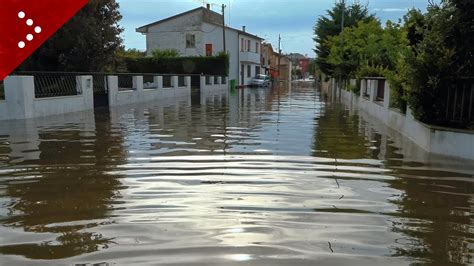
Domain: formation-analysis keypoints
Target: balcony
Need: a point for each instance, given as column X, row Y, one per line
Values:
column 250, row 57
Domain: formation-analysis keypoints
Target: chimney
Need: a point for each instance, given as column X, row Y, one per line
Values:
column 243, row 28
column 208, row 6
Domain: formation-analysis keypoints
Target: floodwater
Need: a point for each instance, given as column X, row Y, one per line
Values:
column 256, row 177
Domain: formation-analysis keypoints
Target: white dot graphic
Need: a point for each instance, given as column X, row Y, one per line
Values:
column 29, row 22
column 38, row 29
column 29, row 37
column 21, row 45
column 21, row 14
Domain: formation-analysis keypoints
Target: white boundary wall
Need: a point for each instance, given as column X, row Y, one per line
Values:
column 436, row 140
column 20, row 101
column 139, row 94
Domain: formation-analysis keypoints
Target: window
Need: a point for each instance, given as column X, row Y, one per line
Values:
column 257, row 70
column 248, row 45
column 248, row 71
column 242, row 44
column 256, row 47
column 209, row 49
column 190, row 41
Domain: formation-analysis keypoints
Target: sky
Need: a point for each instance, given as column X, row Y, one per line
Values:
column 293, row 19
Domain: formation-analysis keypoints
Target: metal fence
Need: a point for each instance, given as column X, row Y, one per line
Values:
column 216, row 80
column 181, row 81
column 459, row 97
column 125, row 82
column 167, row 82
column 208, row 80
column 223, row 80
column 2, row 90
column 100, row 83
column 149, row 82
column 53, row 84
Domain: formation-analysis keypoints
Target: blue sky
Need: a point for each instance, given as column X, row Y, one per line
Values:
column 293, row 19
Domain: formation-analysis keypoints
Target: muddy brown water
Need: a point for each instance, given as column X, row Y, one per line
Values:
column 256, row 177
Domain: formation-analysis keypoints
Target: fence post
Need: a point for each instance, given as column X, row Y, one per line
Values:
column 387, row 95
column 188, row 82
column 219, row 80
column 112, row 81
column 211, row 80
column 86, row 84
column 138, row 83
column 159, row 82
column 174, row 82
column 20, row 96
column 372, row 90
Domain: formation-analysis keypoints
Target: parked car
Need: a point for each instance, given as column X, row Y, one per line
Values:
column 260, row 81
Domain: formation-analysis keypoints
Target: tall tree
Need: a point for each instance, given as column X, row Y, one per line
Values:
column 88, row 42
column 330, row 25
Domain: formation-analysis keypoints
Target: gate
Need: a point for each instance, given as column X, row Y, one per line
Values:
column 101, row 90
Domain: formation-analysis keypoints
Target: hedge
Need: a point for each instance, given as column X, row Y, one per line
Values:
column 212, row 65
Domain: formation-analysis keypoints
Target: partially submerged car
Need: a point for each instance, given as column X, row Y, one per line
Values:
column 260, row 81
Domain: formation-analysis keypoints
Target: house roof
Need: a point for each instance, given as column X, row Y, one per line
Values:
column 144, row 29
column 239, row 31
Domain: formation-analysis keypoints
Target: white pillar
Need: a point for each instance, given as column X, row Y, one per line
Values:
column 159, row 82
column 188, row 82
column 174, row 82
column 372, row 90
column 112, row 82
column 387, row 95
column 19, row 96
column 86, row 86
column 138, row 83
column 202, row 82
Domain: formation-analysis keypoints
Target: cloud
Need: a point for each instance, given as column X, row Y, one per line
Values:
column 390, row 9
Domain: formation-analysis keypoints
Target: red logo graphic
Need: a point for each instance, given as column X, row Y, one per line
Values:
column 26, row 24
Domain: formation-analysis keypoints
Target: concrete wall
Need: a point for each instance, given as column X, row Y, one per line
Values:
column 436, row 140
column 20, row 102
column 140, row 95
column 172, row 35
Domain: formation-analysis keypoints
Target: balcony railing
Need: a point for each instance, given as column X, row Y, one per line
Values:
column 250, row 57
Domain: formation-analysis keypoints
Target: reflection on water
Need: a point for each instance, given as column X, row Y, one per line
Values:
column 259, row 176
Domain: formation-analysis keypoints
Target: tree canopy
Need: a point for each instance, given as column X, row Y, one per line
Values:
column 88, row 42
column 330, row 25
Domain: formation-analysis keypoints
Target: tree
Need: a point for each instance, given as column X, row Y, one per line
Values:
column 330, row 25
column 443, row 55
column 88, row 42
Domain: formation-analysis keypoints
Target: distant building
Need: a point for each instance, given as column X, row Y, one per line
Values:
column 199, row 32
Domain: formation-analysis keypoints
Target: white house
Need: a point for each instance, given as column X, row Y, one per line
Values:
column 199, row 32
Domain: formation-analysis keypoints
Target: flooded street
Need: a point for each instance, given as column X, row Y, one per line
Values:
column 255, row 177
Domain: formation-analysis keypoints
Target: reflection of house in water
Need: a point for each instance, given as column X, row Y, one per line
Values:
column 70, row 158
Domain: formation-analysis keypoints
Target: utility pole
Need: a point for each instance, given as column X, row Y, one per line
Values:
column 223, row 27
column 342, row 19
column 279, row 56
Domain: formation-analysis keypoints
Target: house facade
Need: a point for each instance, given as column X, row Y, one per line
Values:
column 199, row 32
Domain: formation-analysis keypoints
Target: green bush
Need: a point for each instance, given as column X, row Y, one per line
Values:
column 165, row 53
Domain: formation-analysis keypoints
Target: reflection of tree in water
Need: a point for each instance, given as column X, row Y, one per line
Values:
column 435, row 216
column 337, row 135
column 434, row 213
column 71, row 194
